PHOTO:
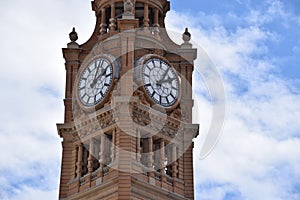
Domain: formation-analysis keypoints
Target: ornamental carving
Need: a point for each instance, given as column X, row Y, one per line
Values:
column 78, row 113
column 158, row 124
column 128, row 7
column 176, row 114
column 142, row 97
column 98, row 123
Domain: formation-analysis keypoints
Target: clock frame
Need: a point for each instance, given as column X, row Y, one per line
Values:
column 94, row 82
column 159, row 81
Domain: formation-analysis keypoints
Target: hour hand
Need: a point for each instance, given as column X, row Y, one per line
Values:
column 168, row 80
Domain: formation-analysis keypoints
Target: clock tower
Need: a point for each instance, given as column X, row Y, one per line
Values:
column 127, row 131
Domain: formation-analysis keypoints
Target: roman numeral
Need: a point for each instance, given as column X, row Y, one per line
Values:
column 100, row 63
column 153, row 93
column 146, row 75
column 148, row 67
column 82, row 97
column 172, row 96
column 108, row 75
column 167, row 100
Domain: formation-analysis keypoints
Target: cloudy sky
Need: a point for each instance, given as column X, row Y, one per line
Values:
column 254, row 45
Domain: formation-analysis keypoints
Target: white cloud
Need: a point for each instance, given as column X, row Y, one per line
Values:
column 29, row 193
column 257, row 156
column 32, row 87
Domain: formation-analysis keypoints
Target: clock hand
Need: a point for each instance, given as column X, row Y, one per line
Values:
column 104, row 72
column 169, row 80
column 96, row 79
column 101, row 62
column 164, row 75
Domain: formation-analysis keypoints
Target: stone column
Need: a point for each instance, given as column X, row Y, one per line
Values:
column 150, row 161
column 107, row 150
column 138, row 145
column 156, row 14
column 174, row 160
column 103, row 24
column 162, row 163
column 74, row 161
column 113, row 144
column 69, row 88
column 112, row 20
column 102, row 149
column 79, row 161
column 146, row 16
column 150, row 152
column 162, row 156
column 156, row 24
column 189, row 79
column 69, row 81
column 72, row 65
column 90, row 159
column 74, row 73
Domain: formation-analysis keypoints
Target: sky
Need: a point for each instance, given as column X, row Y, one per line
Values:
column 253, row 44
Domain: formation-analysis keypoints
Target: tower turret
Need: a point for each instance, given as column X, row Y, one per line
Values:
column 128, row 131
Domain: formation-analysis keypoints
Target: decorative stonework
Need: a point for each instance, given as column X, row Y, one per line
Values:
column 141, row 95
column 78, row 113
column 176, row 114
column 98, row 123
column 128, row 9
column 73, row 37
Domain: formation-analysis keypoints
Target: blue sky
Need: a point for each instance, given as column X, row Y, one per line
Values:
column 284, row 23
column 253, row 44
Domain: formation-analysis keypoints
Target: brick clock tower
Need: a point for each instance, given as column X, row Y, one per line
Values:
column 127, row 131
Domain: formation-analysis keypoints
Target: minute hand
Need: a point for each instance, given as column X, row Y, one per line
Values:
column 169, row 80
column 164, row 75
column 96, row 79
column 99, row 66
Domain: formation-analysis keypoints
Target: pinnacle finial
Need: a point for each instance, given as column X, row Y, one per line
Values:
column 128, row 9
column 186, row 35
column 128, row 6
column 73, row 35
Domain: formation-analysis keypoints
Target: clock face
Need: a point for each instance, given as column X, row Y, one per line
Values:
column 161, row 82
column 95, row 82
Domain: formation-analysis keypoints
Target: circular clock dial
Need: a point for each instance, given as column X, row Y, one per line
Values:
column 95, row 81
column 161, row 82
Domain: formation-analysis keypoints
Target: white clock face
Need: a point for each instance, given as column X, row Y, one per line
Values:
column 95, row 82
column 161, row 82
